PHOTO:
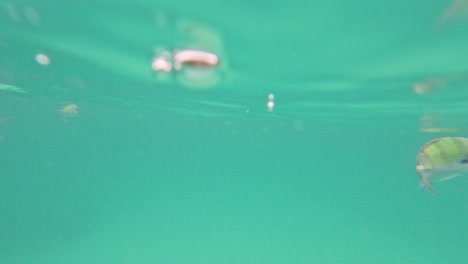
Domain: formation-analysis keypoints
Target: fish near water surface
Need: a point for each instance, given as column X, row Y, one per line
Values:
column 441, row 159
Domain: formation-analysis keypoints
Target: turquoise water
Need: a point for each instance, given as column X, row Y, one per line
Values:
column 181, row 168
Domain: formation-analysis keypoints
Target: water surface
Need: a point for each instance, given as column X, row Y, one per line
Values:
column 155, row 169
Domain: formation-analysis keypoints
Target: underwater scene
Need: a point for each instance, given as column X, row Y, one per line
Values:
column 182, row 131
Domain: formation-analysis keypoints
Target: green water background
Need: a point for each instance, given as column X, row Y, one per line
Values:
column 154, row 171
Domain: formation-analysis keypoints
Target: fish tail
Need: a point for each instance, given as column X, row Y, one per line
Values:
column 428, row 186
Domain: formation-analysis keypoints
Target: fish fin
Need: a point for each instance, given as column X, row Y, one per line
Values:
column 425, row 184
column 449, row 177
column 424, row 175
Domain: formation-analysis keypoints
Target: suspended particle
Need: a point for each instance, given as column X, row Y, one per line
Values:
column 271, row 103
column 271, row 97
column 42, row 59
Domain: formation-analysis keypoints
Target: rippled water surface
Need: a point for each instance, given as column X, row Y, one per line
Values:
column 297, row 146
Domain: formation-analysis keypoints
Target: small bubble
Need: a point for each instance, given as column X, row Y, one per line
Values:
column 270, row 105
column 271, row 97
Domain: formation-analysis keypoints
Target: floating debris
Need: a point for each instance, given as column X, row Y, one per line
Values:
column 442, row 159
column 163, row 62
column 194, row 61
column 195, row 58
column 196, row 68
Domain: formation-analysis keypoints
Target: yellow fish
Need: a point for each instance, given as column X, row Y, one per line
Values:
column 441, row 159
column 70, row 110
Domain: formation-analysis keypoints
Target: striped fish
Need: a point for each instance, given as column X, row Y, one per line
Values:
column 441, row 159
column 70, row 110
